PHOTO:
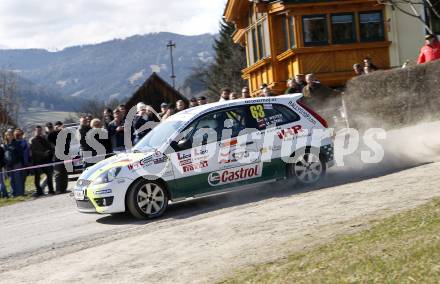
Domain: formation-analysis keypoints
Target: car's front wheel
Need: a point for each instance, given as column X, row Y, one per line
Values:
column 147, row 200
column 307, row 169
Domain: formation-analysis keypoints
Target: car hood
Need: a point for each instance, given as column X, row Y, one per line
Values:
column 119, row 160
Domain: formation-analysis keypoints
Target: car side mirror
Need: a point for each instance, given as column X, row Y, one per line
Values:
column 182, row 143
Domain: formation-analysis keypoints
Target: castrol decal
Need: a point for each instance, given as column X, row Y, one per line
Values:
column 235, row 174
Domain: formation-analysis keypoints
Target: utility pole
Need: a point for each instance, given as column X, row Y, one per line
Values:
column 172, row 45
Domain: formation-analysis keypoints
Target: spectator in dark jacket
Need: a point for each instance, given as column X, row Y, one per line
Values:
column 60, row 171
column 84, row 127
column 96, row 125
column 42, row 152
column 116, row 131
column 14, row 161
column 3, row 191
column 19, row 137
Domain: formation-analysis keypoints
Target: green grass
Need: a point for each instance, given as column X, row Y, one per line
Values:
column 29, row 189
column 401, row 249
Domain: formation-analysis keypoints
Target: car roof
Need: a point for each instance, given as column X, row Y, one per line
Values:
column 189, row 113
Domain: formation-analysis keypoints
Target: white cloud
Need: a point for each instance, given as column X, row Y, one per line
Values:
column 55, row 24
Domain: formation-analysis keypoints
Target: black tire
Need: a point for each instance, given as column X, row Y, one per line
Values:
column 147, row 199
column 308, row 168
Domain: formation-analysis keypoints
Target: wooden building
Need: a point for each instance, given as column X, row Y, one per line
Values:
column 325, row 37
column 154, row 92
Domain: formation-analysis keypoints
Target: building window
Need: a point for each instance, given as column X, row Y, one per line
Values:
column 315, row 30
column 257, row 38
column 371, row 26
column 288, row 28
column 433, row 20
column 292, row 32
column 343, row 28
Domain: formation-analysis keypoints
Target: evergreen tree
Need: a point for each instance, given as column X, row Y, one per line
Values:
column 225, row 71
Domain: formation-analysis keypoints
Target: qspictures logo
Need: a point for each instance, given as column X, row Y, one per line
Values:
column 235, row 175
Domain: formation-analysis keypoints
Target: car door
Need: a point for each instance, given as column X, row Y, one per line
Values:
column 195, row 157
column 278, row 126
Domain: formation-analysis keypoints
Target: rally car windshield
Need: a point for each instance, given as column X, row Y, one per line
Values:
column 159, row 135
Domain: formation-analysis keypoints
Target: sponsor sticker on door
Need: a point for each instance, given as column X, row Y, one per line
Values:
column 235, row 174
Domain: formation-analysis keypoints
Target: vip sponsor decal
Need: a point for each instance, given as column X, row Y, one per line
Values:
column 235, row 175
column 290, row 132
column 195, row 166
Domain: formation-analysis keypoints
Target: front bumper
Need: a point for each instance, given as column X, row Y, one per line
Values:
column 102, row 198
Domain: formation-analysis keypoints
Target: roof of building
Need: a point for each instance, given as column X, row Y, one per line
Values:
column 155, row 91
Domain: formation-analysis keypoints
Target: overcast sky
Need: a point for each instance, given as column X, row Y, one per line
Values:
column 55, row 24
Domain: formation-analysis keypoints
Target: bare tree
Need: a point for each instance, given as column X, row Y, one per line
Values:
column 410, row 8
column 9, row 100
column 95, row 107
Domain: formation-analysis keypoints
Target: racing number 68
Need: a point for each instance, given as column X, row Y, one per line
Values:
column 257, row 111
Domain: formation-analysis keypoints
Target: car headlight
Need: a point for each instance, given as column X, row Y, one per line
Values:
column 107, row 176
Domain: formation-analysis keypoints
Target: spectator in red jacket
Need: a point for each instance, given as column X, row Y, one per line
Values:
column 431, row 50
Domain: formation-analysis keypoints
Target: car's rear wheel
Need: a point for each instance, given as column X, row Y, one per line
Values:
column 307, row 168
column 147, row 200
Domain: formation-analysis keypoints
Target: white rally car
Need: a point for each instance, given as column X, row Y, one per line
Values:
column 208, row 150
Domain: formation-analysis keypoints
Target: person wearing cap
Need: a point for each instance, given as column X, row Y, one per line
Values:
column 430, row 51
column 163, row 110
column 202, row 100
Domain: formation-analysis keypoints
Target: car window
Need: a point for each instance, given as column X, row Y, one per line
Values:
column 266, row 115
column 209, row 128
